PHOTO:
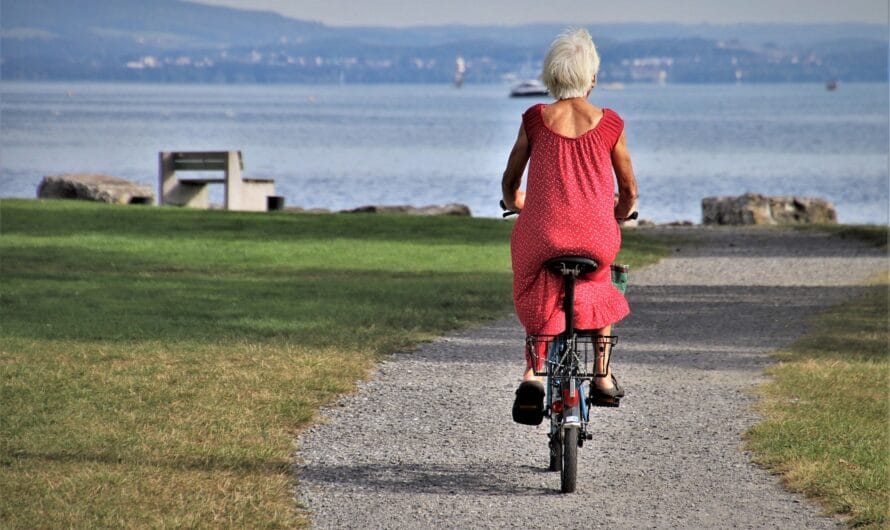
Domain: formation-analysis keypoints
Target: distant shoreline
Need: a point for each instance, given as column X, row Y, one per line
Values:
column 506, row 85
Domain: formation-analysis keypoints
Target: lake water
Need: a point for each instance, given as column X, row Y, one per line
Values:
column 345, row 146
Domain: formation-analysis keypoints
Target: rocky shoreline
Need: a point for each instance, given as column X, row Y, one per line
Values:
column 747, row 209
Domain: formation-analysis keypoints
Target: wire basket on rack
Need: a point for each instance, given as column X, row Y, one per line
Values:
column 549, row 354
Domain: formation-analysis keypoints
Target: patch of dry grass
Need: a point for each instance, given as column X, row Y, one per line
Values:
column 826, row 412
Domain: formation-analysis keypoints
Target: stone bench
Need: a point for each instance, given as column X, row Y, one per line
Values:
column 242, row 194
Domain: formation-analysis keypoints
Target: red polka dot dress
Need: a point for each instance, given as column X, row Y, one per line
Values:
column 569, row 210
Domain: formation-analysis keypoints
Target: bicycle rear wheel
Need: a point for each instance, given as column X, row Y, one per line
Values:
column 569, row 470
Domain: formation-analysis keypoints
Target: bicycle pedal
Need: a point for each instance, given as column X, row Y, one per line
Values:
column 602, row 402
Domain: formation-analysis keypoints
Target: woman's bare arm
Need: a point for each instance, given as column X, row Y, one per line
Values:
column 513, row 198
column 627, row 183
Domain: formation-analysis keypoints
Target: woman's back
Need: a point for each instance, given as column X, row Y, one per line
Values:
column 570, row 179
column 572, row 117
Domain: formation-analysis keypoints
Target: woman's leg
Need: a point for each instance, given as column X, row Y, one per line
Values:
column 534, row 360
column 603, row 354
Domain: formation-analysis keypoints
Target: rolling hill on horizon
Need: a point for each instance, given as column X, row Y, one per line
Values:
column 178, row 41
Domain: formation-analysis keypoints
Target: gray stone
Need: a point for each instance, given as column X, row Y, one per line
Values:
column 445, row 209
column 755, row 209
column 91, row 187
column 300, row 209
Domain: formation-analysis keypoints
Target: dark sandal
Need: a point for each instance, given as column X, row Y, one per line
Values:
column 528, row 408
column 608, row 397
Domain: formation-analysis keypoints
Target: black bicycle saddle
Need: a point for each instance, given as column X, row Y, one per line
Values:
column 565, row 264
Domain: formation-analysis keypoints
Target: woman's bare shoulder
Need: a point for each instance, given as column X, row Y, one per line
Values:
column 572, row 118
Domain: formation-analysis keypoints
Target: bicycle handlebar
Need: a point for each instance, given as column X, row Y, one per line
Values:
column 630, row 217
column 508, row 213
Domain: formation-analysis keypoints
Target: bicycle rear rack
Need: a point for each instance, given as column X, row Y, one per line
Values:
column 551, row 353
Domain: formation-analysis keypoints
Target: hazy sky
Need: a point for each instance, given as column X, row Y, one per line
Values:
column 422, row 12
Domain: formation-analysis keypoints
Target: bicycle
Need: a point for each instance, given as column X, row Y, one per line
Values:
column 572, row 359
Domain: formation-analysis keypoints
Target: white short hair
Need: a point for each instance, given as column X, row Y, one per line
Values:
column 570, row 64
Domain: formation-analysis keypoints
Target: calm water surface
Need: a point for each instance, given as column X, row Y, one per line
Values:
column 345, row 146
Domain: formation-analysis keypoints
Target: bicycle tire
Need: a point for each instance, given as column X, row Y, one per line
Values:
column 569, row 471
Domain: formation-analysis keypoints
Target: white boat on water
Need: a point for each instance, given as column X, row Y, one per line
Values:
column 530, row 88
column 460, row 67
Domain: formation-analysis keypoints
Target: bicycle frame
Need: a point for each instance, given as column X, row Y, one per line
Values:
column 570, row 364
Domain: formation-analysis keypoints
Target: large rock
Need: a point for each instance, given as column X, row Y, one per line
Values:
column 754, row 209
column 445, row 209
column 88, row 187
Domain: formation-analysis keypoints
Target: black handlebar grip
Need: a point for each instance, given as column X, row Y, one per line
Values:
column 507, row 213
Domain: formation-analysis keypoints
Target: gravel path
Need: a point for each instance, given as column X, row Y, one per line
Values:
column 428, row 440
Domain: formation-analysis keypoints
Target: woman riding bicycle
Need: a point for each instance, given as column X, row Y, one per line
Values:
column 575, row 153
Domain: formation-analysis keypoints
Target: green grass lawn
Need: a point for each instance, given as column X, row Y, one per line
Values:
column 826, row 411
column 155, row 363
